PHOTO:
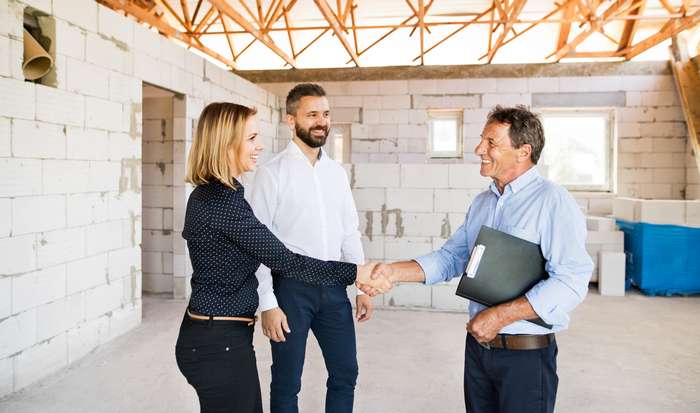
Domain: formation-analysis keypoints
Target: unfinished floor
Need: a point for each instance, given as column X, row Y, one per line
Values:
column 628, row 354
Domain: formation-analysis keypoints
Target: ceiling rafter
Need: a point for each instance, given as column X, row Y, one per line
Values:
column 164, row 28
column 672, row 28
column 335, row 23
column 189, row 20
column 512, row 14
column 594, row 26
column 226, row 9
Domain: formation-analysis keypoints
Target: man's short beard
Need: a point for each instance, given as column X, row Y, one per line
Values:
column 307, row 138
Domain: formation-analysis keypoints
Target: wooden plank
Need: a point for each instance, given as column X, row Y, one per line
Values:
column 595, row 25
column 687, row 80
column 462, row 27
column 630, row 27
column 673, row 27
column 164, row 28
column 335, row 24
column 225, row 8
column 565, row 27
column 516, row 8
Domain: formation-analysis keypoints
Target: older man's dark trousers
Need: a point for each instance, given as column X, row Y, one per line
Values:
column 509, row 381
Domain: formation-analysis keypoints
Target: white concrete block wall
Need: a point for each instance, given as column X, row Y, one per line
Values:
column 403, row 215
column 651, row 133
column 70, row 180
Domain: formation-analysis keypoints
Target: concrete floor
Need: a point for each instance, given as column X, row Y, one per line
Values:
column 632, row 354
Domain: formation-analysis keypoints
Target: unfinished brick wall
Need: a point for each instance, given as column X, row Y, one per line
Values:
column 389, row 117
column 71, row 180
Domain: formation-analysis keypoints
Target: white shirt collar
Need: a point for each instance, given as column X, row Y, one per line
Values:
column 294, row 150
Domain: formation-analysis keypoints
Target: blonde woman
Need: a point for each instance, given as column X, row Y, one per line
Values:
column 214, row 349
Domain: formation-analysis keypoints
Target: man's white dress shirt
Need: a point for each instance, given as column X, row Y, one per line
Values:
column 308, row 207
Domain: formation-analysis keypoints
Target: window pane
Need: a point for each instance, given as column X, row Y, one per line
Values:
column 444, row 135
column 576, row 149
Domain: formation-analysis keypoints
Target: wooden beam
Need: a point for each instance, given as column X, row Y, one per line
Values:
column 258, row 3
column 273, row 7
column 250, row 13
column 354, row 29
column 462, row 27
column 668, row 6
column 172, row 12
column 312, row 41
column 225, row 8
column 196, row 11
column 285, row 13
column 229, row 37
column 421, row 23
column 515, row 9
column 676, row 26
column 332, row 19
column 595, row 25
column 588, row 55
column 528, row 28
column 565, row 27
column 164, row 28
column 204, row 21
column 186, row 14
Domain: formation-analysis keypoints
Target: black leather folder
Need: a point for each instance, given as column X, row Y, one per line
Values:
column 501, row 268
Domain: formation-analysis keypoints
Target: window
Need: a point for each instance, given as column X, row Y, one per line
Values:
column 445, row 133
column 579, row 148
column 338, row 144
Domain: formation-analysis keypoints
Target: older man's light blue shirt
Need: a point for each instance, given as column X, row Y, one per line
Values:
column 537, row 210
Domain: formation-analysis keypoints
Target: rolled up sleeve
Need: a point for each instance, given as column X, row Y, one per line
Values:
column 447, row 262
column 569, row 266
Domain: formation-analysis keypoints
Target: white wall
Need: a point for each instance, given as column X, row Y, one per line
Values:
column 389, row 119
column 70, row 179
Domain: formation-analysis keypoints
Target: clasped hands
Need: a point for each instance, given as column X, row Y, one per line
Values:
column 375, row 278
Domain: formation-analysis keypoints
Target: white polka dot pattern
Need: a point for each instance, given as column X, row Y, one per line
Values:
column 227, row 243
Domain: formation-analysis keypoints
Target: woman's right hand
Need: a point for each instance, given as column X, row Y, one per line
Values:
column 378, row 283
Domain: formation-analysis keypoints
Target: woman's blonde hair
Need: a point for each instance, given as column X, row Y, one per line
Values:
column 220, row 127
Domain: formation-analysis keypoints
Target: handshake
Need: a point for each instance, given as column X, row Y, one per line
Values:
column 375, row 278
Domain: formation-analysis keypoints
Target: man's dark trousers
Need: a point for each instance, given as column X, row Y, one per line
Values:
column 509, row 381
column 327, row 312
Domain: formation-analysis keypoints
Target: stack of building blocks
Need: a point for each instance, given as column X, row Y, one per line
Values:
column 605, row 243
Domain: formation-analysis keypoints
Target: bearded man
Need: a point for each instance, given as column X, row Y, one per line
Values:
column 304, row 197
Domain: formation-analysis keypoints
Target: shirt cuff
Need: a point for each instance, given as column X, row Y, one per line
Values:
column 431, row 268
column 542, row 304
column 267, row 302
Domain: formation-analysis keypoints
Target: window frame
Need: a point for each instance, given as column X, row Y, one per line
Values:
column 612, row 139
column 458, row 115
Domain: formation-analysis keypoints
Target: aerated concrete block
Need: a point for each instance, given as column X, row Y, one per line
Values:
column 664, row 212
column 611, row 274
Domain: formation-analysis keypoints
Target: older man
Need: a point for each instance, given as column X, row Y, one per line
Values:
column 510, row 363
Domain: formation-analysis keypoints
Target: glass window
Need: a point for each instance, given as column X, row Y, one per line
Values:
column 338, row 143
column 445, row 133
column 579, row 148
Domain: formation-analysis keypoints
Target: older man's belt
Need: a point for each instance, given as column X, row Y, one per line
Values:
column 521, row 342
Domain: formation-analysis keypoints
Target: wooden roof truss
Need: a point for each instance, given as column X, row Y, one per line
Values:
column 179, row 20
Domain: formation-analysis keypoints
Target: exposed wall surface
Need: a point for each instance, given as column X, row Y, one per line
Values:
column 71, row 179
column 388, row 118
